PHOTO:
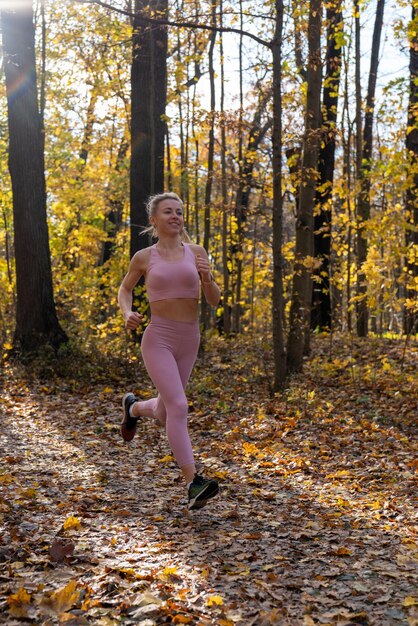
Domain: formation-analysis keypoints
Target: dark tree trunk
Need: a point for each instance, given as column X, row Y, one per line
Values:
column 204, row 313
column 113, row 219
column 363, row 204
column 321, row 296
column 88, row 127
column 278, row 302
column 242, row 198
column 149, row 96
column 237, row 248
column 36, row 319
column 226, row 295
column 411, row 315
column 347, row 140
column 299, row 320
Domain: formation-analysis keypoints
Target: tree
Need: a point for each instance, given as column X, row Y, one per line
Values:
column 411, row 317
column 363, row 202
column 277, row 296
column 226, row 295
column 302, row 282
column 36, row 319
column 204, row 314
column 246, row 160
column 148, row 126
column 321, row 301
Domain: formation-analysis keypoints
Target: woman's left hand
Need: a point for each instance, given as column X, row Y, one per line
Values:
column 203, row 267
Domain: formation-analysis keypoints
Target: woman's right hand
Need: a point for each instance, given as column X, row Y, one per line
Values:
column 133, row 320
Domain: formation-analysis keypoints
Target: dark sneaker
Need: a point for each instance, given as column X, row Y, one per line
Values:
column 200, row 491
column 128, row 424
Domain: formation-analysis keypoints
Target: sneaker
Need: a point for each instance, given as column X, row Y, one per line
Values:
column 128, row 424
column 200, row 491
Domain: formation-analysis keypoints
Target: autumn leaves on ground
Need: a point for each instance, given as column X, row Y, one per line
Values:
column 314, row 523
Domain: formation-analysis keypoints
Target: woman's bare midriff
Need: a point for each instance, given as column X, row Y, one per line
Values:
column 176, row 309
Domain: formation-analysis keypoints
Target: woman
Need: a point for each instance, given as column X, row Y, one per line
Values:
column 172, row 269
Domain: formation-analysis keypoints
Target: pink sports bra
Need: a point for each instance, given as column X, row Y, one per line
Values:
column 172, row 279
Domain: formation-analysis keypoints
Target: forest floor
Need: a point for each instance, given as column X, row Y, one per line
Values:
column 314, row 523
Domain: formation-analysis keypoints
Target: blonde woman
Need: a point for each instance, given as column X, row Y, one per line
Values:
column 173, row 268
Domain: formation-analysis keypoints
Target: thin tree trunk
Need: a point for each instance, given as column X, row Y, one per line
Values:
column 236, row 322
column 36, row 319
column 253, row 273
column 70, row 259
column 225, row 221
column 43, row 74
column 169, row 173
column 245, row 183
column 186, row 181
column 347, row 143
column 88, row 127
column 196, row 171
column 363, row 204
column 411, row 314
column 211, row 151
column 183, row 162
column 278, row 264
column 302, row 282
column 113, row 219
column 321, row 301
column 7, row 246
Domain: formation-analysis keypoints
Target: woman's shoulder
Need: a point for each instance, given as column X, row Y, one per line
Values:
column 196, row 249
column 141, row 257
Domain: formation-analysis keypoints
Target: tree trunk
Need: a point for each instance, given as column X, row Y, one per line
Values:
column 113, row 219
column 225, row 212
column 36, row 319
column 302, row 282
column 321, row 301
column 245, row 183
column 211, row 151
column 347, row 169
column 411, row 314
column 278, row 264
column 237, row 249
column 196, row 165
column 149, row 96
column 363, row 203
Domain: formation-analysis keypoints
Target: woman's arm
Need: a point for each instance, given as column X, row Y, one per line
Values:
column 210, row 288
column 135, row 271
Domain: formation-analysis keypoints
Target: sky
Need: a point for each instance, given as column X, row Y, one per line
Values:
column 394, row 56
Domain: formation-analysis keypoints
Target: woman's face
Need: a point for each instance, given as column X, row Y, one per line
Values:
column 168, row 218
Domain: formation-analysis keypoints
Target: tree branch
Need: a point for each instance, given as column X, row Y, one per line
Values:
column 157, row 22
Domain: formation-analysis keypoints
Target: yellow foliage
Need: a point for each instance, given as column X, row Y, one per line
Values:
column 62, row 600
column 214, row 600
column 72, row 522
column 19, row 603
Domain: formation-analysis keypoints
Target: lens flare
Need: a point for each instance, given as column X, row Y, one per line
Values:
column 15, row 4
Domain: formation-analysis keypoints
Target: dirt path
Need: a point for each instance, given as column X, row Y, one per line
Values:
column 314, row 525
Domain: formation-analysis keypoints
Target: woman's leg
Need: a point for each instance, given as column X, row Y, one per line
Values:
column 186, row 354
column 159, row 346
column 153, row 408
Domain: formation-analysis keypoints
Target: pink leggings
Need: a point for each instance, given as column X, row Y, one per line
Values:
column 169, row 350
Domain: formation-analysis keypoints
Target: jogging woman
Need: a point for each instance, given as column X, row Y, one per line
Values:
column 172, row 269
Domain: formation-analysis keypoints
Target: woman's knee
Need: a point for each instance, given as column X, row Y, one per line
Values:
column 178, row 406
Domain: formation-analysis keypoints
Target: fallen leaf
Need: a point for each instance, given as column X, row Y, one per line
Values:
column 214, row 600
column 60, row 549
column 62, row 600
column 19, row 603
column 72, row 522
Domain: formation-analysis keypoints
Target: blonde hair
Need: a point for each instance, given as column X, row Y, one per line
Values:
column 152, row 206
